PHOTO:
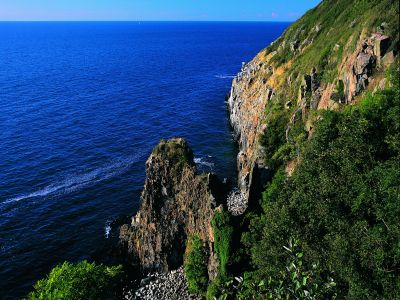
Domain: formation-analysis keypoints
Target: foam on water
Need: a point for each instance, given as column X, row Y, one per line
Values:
column 76, row 182
column 107, row 229
column 224, row 76
column 203, row 162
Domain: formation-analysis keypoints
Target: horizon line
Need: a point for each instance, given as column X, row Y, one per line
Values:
column 138, row 21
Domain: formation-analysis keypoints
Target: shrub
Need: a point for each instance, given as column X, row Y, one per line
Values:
column 214, row 289
column 274, row 135
column 222, row 239
column 79, row 281
column 294, row 281
column 196, row 265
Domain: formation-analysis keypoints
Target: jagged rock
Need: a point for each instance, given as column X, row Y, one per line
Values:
column 175, row 203
column 364, row 64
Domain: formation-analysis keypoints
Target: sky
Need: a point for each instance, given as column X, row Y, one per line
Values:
column 154, row 10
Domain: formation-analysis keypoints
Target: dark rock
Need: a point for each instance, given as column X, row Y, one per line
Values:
column 381, row 46
column 306, row 83
column 315, row 81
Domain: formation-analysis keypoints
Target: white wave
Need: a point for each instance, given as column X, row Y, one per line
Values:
column 76, row 182
column 224, row 76
column 200, row 161
column 107, row 229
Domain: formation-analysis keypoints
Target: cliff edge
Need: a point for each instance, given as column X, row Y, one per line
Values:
column 324, row 61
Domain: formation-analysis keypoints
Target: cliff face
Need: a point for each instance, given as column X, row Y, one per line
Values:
column 325, row 60
column 175, row 203
column 247, row 101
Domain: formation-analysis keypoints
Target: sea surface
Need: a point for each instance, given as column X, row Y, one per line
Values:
column 81, row 107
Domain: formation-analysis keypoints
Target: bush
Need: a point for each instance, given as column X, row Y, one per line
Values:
column 222, row 239
column 294, row 281
column 274, row 135
column 78, row 281
column 196, row 265
column 214, row 289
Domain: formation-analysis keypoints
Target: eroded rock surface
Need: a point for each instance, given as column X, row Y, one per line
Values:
column 175, row 203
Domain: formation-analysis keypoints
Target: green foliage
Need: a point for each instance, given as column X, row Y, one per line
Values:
column 339, row 95
column 176, row 151
column 223, row 232
column 341, row 203
column 79, row 281
column 196, row 265
column 274, row 135
column 216, row 288
column 294, row 281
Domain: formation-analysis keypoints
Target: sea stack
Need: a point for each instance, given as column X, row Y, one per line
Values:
column 175, row 203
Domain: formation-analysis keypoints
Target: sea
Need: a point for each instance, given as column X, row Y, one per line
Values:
column 82, row 104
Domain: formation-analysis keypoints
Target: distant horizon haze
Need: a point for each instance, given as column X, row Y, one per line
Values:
column 154, row 10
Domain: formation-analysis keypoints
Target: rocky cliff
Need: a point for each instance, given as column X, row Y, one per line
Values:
column 175, row 203
column 325, row 60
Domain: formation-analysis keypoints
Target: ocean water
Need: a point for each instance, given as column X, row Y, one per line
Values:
column 81, row 107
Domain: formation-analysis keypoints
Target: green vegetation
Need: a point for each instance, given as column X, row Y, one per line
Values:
column 342, row 206
column 274, row 135
column 196, row 265
column 342, row 202
column 282, row 140
column 292, row 282
column 78, row 281
column 222, row 239
column 176, row 151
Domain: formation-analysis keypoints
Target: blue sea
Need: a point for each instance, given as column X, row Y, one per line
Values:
column 82, row 104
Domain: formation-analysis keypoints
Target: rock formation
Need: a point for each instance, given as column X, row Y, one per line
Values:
column 175, row 203
column 266, row 79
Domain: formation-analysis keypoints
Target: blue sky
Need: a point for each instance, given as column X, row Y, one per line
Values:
column 177, row 10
